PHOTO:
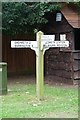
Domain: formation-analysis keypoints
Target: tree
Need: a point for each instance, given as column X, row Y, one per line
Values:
column 25, row 17
column 78, row 5
column 21, row 17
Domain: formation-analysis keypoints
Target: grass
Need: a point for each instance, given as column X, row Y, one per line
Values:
column 21, row 102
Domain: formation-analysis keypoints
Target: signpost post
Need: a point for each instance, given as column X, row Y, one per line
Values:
column 43, row 43
column 39, row 68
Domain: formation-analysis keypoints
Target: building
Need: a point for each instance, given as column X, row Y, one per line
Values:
column 64, row 62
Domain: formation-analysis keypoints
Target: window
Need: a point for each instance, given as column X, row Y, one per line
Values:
column 58, row 17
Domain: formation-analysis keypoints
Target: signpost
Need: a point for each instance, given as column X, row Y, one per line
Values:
column 43, row 43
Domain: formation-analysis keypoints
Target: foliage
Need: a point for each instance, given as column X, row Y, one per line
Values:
column 78, row 5
column 26, row 17
column 21, row 17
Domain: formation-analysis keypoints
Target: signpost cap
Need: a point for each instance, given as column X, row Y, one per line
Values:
column 40, row 32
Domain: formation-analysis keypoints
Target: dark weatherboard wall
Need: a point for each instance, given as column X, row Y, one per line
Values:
column 20, row 61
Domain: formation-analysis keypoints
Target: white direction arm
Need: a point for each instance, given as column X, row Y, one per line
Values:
column 23, row 44
column 49, row 44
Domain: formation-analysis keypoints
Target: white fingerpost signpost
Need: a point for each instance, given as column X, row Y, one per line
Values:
column 42, row 43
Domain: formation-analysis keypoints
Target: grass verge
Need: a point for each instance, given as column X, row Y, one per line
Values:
column 21, row 102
